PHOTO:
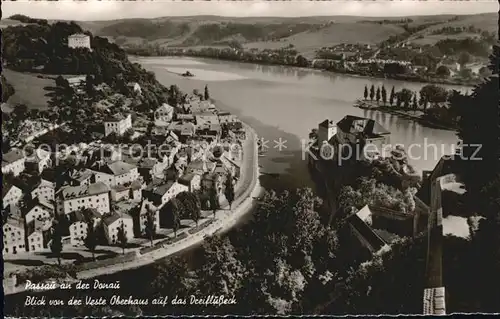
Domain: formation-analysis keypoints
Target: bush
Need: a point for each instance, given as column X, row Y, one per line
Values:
column 107, row 262
column 46, row 272
column 200, row 226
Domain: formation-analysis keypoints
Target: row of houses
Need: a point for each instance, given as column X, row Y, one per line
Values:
column 111, row 186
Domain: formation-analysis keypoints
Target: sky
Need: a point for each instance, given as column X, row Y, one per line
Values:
column 93, row 10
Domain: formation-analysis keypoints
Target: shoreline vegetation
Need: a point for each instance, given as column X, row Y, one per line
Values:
column 302, row 63
column 373, row 106
column 433, row 106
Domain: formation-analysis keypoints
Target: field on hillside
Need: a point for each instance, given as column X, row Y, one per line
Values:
column 307, row 34
column 307, row 42
column 29, row 89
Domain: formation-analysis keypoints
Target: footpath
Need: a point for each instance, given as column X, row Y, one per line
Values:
column 247, row 189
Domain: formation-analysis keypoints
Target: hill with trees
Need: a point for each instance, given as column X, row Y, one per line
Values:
column 39, row 48
column 305, row 33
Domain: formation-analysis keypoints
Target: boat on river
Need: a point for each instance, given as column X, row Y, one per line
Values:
column 187, row 74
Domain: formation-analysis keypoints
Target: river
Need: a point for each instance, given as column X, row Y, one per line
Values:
column 286, row 102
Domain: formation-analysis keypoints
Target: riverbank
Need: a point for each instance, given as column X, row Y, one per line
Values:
column 415, row 79
column 413, row 115
column 247, row 189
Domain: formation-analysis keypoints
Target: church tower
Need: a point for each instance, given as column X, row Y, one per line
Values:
column 326, row 130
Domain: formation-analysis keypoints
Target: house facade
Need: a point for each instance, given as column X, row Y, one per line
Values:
column 13, row 162
column 367, row 136
column 11, row 195
column 73, row 198
column 13, row 235
column 44, row 190
column 117, row 124
column 116, row 173
column 38, row 209
column 112, row 224
column 192, row 181
column 164, row 114
column 79, row 40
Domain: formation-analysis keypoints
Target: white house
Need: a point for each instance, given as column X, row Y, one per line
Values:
column 13, row 232
column 34, row 240
column 117, row 124
column 192, row 181
column 164, row 114
column 11, row 195
column 112, row 223
column 135, row 87
column 76, row 81
column 159, row 193
column 73, row 198
column 38, row 209
column 116, row 173
column 155, row 196
column 79, row 40
column 226, row 117
column 44, row 190
column 131, row 192
column 13, row 162
column 79, row 225
column 206, row 118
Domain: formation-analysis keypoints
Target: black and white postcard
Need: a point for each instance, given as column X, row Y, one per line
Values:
column 250, row 158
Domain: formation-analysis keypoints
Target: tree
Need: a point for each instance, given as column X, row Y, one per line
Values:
column 122, row 237
column 91, row 238
column 172, row 277
column 61, row 82
column 372, row 92
column 414, row 103
column 207, row 94
column 464, row 58
column 20, row 112
column 221, row 270
column 229, row 189
column 191, row 205
column 479, row 125
column 407, row 103
column 7, row 89
column 399, row 100
column 56, row 245
column 485, row 72
column 392, row 96
column 213, row 199
column 466, row 73
column 89, row 85
column 365, row 94
column 302, row 61
column 443, row 71
column 433, row 93
column 150, row 229
column 378, row 95
column 384, row 95
column 175, row 210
